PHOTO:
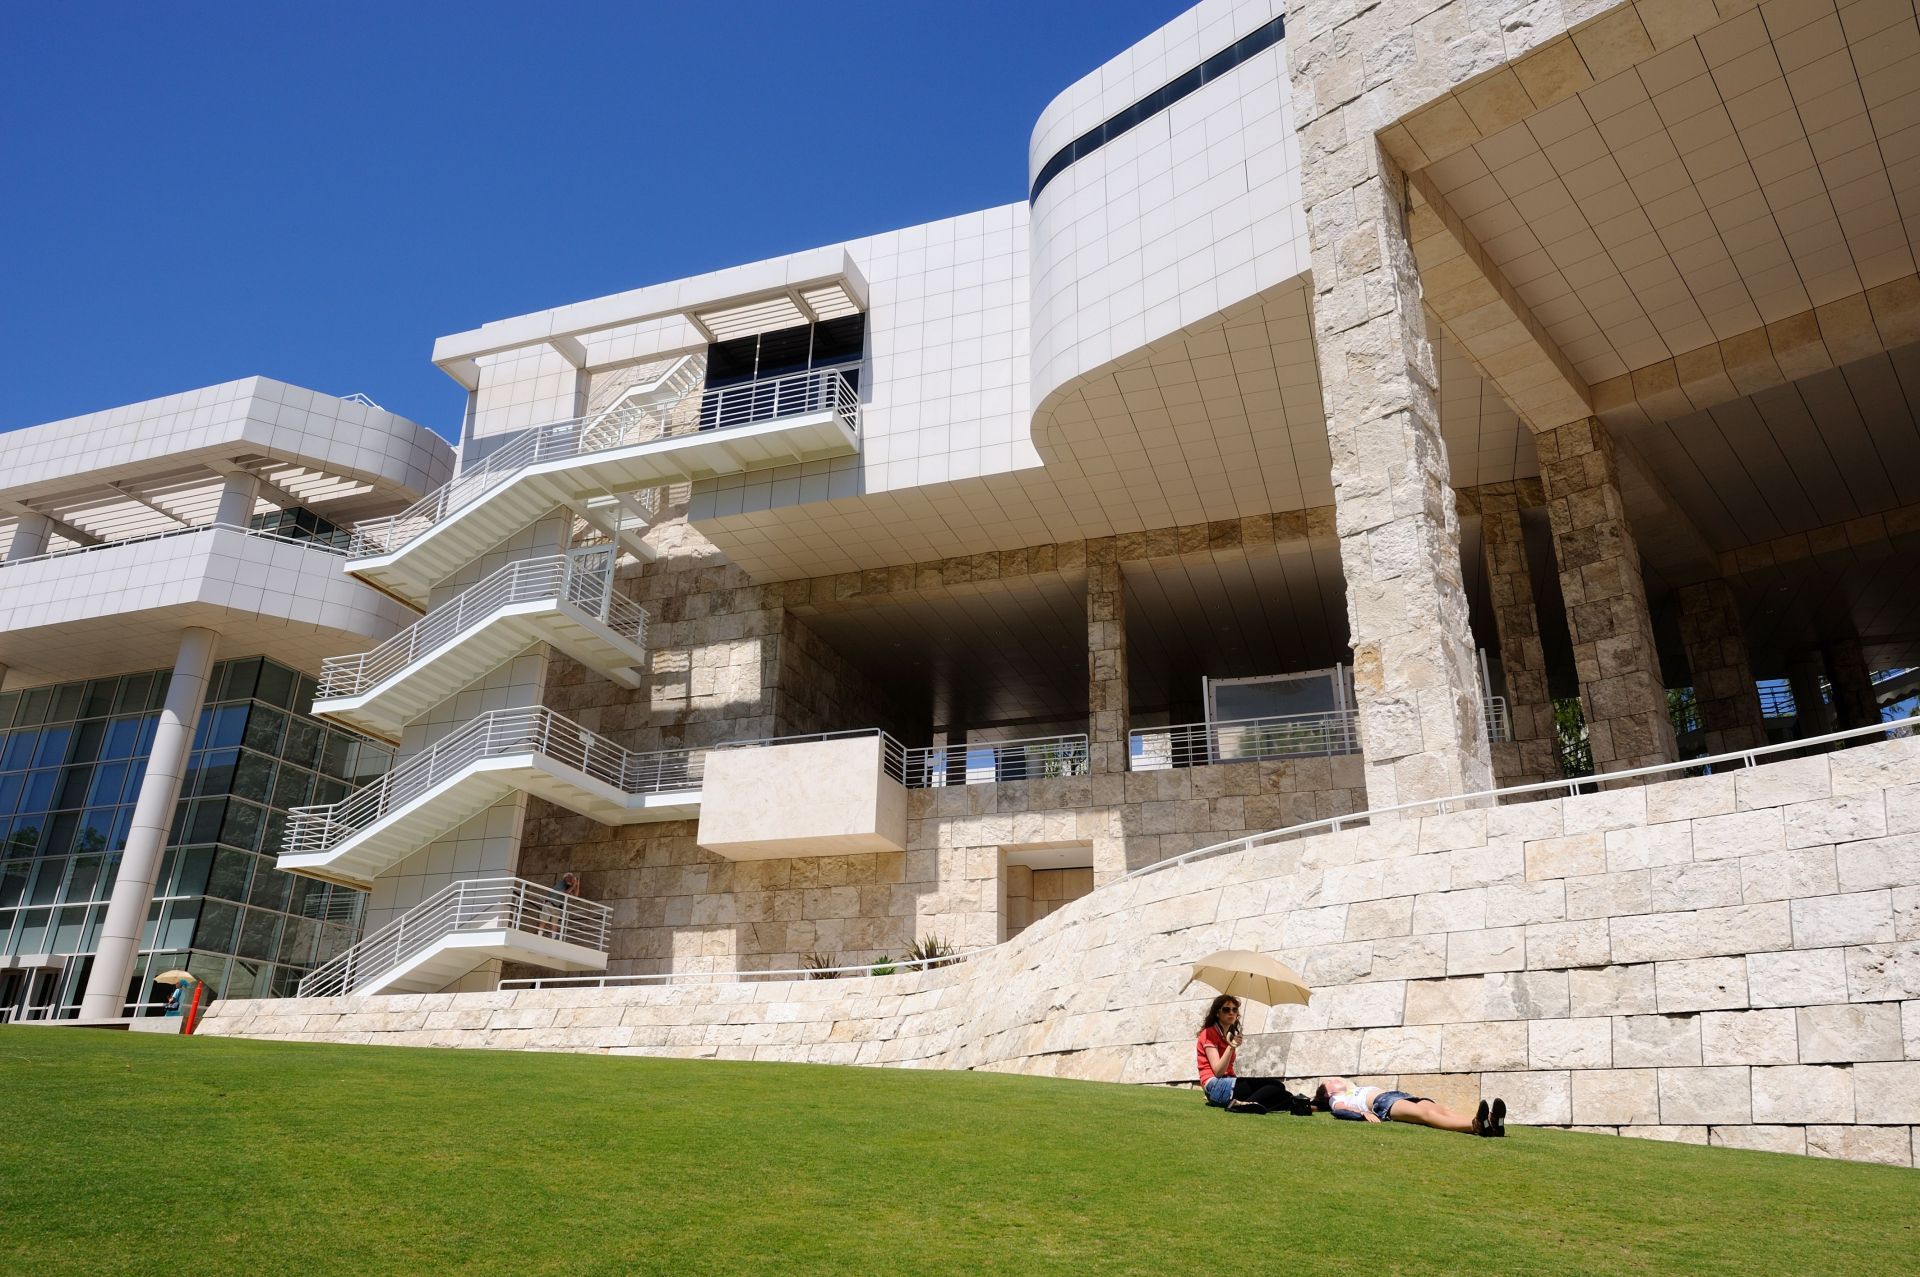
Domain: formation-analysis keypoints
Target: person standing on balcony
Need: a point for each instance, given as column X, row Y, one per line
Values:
column 568, row 884
column 1214, row 1052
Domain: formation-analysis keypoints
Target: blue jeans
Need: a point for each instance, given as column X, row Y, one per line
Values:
column 1219, row 1091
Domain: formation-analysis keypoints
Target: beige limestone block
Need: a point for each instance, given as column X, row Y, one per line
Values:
column 1525, row 995
column 1464, row 910
column 1879, row 862
column 1761, row 1139
column 1330, row 1052
column 1889, row 1145
column 1700, row 984
column 1446, row 1001
column 1903, row 809
column 1667, row 1134
column 1533, row 1098
column 1566, row 857
column 1624, row 990
column 1869, row 769
column 1745, row 833
column 1707, row 885
column 1656, row 1041
column 1517, row 904
column 1609, row 809
column 1910, row 1028
column 1802, row 977
column 1408, row 958
column 1529, row 820
column 1616, row 1097
column 1795, row 780
column 1676, row 800
column 1850, row 1032
column 1374, row 919
column 1705, row 1096
column 1418, row 875
column 1570, row 1044
column 1648, row 846
column 1494, row 949
column 1360, row 1006
column 1879, row 972
column 1457, row 1091
column 1315, row 926
column 1568, row 944
column 1803, row 1093
column 1415, row 1048
column 1610, row 895
column 1702, row 933
column 1785, row 875
column 1749, row 1037
column 1476, row 1048
column 1486, row 866
column 1885, row 1093
column 1836, row 820
column 1864, row 917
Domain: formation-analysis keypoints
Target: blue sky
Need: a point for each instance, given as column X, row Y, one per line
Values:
column 196, row 191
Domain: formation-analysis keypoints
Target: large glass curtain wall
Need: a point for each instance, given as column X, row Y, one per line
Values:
column 71, row 761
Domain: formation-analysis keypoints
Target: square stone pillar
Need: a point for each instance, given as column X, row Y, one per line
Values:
column 1107, row 711
column 1533, row 753
column 1812, row 716
column 1415, row 681
column 1723, row 688
column 1854, row 704
column 1621, row 691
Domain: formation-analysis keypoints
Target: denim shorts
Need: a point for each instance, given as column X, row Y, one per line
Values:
column 1383, row 1103
column 1219, row 1091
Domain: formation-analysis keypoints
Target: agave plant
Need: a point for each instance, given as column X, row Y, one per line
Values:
column 820, row 966
column 930, row 951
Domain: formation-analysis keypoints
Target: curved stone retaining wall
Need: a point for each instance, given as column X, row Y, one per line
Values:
column 1731, row 959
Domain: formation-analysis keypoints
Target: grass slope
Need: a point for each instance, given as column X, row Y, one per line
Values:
column 130, row 1153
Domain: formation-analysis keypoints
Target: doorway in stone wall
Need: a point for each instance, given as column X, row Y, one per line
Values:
column 1038, row 878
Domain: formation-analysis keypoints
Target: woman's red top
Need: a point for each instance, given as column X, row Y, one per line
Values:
column 1211, row 1036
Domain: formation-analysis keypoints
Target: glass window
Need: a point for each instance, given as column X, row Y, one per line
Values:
column 68, row 925
column 204, row 821
column 19, row 750
column 297, row 940
column 211, row 970
column 229, row 875
column 135, row 691
column 67, row 699
column 259, row 934
column 253, row 778
column 24, row 838
column 242, row 677
column 46, row 882
column 122, row 735
column 32, row 935
column 333, row 758
column 53, row 746
column 265, row 727
column 150, row 928
column 95, row 831
column 270, row 888
column 109, row 784
column 241, row 828
column 177, row 931
column 228, row 728
column 13, row 882
column 216, row 769
column 58, row 839
column 218, row 922
column 248, row 979
column 276, row 684
column 294, row 789
column 327, row 792
column 10, row 786
column 34, row 706
column 86, row 741
column 74, row 784
column 302, row 743
column 99, row 700
column 191, row 872
column 82, row 879
column 9, row 702
column 38, row 795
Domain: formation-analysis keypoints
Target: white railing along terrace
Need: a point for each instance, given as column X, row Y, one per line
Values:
column 476, row 904
column 932, row 766
column 1279, row 736
column 303, row 542
column 1332, row 824
column 623, row 425
column 583, row 580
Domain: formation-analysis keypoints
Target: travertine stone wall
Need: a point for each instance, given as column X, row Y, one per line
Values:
column 1531, row 755
column 1730, row 959
column 1621, row 689
column 1723, row 686
column 1108, row 716
column 1032, row 894
column 1854, row 704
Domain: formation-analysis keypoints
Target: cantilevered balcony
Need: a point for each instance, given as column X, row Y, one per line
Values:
column 639, row 443
column 535, row 751
column 452, row 932
column 567, row 600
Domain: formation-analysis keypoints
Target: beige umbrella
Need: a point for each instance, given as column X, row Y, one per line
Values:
column 176, row 976
column 1252, row 977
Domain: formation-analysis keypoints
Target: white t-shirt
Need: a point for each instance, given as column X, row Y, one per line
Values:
column 1355, row 1102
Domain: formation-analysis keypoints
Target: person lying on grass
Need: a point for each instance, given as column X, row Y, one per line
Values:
column 1343, row 1099
column 1219, row 1042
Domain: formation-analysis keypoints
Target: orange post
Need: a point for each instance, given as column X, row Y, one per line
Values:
column 193, row 1007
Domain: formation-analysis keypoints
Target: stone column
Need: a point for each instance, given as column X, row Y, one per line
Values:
column 1533, row 754
column 113, row 961
column 1723, row 687
column 1854, row 704
column 237, row 496
column 1812, row 716
column 1621, row 691
column 32, row 534
column 1415, row 678
column 1107, row 711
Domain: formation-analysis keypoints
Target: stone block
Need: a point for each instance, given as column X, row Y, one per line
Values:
column 1761, row 1139
column 1686, row 799
column 1538, row 819
column 1407, row 957
column 1797, row 1094
column 1568, row 944
column 1517, row 904
column 1450, row 911
column 1656, row 1041
column 1610, row 895
column 1359, row 1006
column 1887, row 1093
column 1795, row 780
column 1616, row 1097
column 1702, row 933
column 1882, row 972
column 1478, row 1048
column 1889, row 1145
column 1323, row 1053
column 1836, row 820
column 1524, row 995
column 1308, row 927
column 1609, row 809
column 1495, row 949
column 1666, row 1134
column 1903, row 809
column 1612, row 991
column 1745, row 833
column 1566, row 857
column 1415, row 1049
column 1787, row 875
column 1647, row 846
column 1458, row 1091
column 1864, row 917
column 1484, row 866
column 1749, row 1037
column 1705, row 1096
column 1879, row 862
column 1373, row 919
column 1701, row 984
column 1570, row 1044
column 1802, row 977
column 1533, row 1099
column 1850, row 1032
column 1867, row 769
column 1708, row 884
column 1446, row 1001
column 1906, row 913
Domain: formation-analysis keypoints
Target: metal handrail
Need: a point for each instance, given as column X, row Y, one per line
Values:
column 474, row 904
column 1032, row 758
column 585, row 581
column 894, row 966
column 625, row 424
column 303, row 542
column 1240, row 740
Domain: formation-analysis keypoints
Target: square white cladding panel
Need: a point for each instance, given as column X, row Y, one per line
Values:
column 808, row 798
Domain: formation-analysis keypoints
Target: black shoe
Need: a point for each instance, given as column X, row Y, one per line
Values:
column 1300, row 1105
column 1499, row 1119
column 1482, row 1124
column 1248, row 1107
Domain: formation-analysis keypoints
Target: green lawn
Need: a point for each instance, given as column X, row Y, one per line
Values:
column 131, row 1153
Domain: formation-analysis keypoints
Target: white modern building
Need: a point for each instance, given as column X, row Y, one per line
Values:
column 171, row 580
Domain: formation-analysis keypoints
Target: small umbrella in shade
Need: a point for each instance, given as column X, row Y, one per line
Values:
column 1252, row 977
column 175, row 976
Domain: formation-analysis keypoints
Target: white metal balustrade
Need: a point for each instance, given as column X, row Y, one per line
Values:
column 983, row 762
column 99, row 547
column 565, row 599
column 464, row 924
column 1280, row 736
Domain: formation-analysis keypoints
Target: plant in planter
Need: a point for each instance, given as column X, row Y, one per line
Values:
column 820, row 966
column 885, row 966
column 930, row 951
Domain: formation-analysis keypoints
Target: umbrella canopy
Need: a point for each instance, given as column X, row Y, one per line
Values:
column 176, row 976
column 1251, row 976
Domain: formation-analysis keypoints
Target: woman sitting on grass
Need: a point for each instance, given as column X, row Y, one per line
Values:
column 1219, row 1042
column 1377, row 1104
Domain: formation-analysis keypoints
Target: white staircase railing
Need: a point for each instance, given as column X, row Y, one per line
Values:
column 1279, row 736
column 534, row 730
column 583, row 579
column 478, row 904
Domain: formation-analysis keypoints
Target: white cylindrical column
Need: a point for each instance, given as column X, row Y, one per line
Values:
column 152, row 814
column 32, row 533
column 237, row 496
